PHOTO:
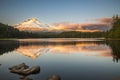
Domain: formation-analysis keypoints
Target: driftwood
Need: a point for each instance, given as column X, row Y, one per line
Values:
column 23, row 69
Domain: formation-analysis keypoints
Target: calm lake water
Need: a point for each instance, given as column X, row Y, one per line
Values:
column 71, row 59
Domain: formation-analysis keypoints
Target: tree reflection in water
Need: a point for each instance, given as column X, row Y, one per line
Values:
column 115, row 47
column 8, row 46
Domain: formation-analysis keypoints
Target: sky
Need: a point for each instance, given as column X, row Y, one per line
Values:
column 57, row 11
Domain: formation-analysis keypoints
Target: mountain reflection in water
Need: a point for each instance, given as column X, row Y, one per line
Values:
column 35, row 48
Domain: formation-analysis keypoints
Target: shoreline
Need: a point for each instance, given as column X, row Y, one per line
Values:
column 59, row 38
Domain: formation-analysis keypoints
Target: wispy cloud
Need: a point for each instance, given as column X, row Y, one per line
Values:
column 104, row 20
column 67, row 26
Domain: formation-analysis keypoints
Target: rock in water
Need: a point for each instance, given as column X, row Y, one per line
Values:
column 25, row 78
column 54, row 77
column 19, row 66
column 23, row 69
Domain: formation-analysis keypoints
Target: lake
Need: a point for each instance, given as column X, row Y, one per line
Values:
column 71, row 59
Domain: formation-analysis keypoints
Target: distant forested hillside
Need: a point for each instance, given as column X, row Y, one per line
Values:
column 75, row 34
column 7, row 31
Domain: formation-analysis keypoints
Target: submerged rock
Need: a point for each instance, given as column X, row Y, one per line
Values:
column 54, row 77
column 25, row 78
column 19, row 66
column 23, row 69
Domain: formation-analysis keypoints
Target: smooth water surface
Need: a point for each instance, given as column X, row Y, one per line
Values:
column 71, row 59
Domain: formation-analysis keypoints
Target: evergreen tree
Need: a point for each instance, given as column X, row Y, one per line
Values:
column 115, row 31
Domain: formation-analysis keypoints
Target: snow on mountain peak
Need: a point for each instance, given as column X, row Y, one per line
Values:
column 32, row 24
column 33, row 19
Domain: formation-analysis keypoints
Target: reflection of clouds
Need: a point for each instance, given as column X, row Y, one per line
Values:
column 117, row 78
column 96, row 48
column 87, row 49
column 101, row 54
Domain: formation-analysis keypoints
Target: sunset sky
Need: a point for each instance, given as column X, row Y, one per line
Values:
column 57, row 11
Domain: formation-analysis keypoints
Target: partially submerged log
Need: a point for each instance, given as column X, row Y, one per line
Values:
column 23, row 69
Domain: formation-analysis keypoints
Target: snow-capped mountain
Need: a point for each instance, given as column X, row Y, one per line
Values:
column 32, row 24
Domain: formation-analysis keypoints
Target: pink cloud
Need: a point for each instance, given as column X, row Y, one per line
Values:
column 67, row 25
column 104, row 20
column 80, row 27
